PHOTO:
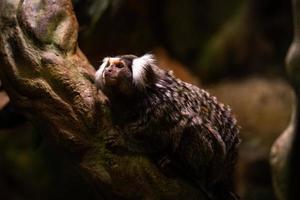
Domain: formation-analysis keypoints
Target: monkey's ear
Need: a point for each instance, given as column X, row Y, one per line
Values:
column 99, row 79
column 142, row 70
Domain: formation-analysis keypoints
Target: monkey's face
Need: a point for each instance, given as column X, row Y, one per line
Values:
column 125, row 74
column 117, row 72
column 115, row 75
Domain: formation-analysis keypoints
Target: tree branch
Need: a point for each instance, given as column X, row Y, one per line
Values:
column 50, row 80
column 285, row 160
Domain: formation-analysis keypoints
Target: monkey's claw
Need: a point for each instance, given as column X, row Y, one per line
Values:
column 113, row 141
column 164, row 162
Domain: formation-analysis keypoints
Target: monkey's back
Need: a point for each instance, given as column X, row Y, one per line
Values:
column 202, row 133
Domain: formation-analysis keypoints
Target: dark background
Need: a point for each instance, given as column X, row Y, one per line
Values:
column 235, row 49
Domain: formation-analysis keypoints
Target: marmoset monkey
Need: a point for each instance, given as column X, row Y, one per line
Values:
column 167, row 118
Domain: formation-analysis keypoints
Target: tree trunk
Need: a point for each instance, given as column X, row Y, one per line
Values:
column 49, row 79
column 285, row 160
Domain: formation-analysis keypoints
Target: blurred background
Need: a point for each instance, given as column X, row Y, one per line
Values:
column 235, row 49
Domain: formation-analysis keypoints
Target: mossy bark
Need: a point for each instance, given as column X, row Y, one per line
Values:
column 49, row 79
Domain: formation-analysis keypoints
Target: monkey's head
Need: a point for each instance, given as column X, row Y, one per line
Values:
column 126, row 75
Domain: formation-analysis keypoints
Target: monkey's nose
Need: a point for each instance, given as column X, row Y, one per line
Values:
column 109, row 73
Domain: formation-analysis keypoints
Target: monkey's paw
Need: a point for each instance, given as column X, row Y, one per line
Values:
column 114, row 142
column 166, row 165
column 164, row 161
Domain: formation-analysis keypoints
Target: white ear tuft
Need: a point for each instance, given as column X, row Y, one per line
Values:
column 140, row 66
column 99, row 76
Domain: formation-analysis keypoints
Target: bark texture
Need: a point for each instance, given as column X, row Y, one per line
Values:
column 50, row 80
column 285, row 160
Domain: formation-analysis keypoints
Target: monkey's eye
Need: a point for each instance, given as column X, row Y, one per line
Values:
column 119, row 65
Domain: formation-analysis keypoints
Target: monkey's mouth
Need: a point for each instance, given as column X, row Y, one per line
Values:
column 110, row 80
